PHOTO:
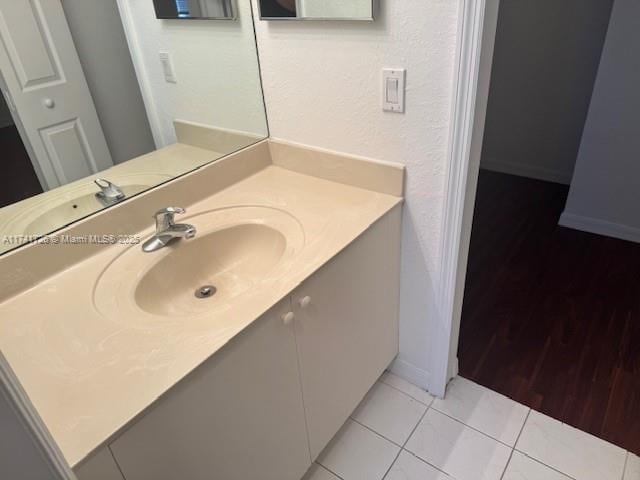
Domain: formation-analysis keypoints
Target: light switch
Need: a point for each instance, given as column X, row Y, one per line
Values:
column 167, row 67
column 393, row 89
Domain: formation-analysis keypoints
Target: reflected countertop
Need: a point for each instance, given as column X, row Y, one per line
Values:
column 48, row 211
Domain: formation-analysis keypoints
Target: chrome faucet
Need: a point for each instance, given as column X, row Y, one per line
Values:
column 167, row 230
column 109, row 193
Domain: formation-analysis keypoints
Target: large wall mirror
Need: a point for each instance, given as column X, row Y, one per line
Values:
column 102, row 100
column 317, row 9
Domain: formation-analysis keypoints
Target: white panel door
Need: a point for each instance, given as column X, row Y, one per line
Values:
column 48, row 88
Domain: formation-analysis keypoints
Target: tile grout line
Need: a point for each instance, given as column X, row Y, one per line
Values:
column 479, row 431
column 533, row 459
column 403, row 449
column 513, row 449
column 433, row 407
column 330, row 471
column 405, row 442
column 373, row 431
column 626, row 462
column 524, row 424
column 408, row 395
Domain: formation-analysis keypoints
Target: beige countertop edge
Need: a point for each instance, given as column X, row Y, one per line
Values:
column 353, row 211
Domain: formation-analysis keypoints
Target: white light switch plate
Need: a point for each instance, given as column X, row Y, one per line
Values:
column 393, row 89
column 167, row 67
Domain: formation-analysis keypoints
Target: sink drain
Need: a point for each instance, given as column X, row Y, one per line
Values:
column 206, row 291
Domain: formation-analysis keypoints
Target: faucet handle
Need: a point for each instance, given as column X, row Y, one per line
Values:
column 108, row 191
column 165, row 217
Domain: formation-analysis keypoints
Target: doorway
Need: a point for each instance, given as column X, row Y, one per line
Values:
column 551, row 314
column 22, row 181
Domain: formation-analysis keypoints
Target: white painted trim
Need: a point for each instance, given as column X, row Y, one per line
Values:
column 470, row 38
column 410, row 372
column 137, row 57
column 529, row 171
column 600, row 227
column 34, row 426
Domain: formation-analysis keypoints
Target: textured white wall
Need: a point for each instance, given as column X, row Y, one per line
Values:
column 605, row 190
column 322, row 83
column 216, row 68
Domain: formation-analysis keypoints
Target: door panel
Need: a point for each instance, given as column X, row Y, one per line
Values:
column 67, row 147
column 44, row 76
column 29, row 47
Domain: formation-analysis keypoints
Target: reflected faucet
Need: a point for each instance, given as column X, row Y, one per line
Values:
column 109, row 193
column 167, row 230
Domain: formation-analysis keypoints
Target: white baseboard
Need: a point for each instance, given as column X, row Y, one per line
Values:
column 527, row 171
column 411, row 373
column 600, row 227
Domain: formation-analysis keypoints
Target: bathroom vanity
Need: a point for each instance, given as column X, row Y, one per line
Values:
column 138, row 377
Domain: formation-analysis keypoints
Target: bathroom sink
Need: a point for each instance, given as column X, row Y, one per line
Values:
column 235, row 251
column 225, row 262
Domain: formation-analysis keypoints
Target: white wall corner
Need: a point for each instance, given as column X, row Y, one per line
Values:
column 599, row 227
column 410, row 372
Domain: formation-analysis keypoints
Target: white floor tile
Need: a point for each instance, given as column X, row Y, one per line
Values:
column 483, row 409
column 389, row 412
column 410, row 467
column 632, row 471
column 571, row 451
column 409, row 388
column 522, row 467
column 357, row 453
column 458, row 450
column 316, row 472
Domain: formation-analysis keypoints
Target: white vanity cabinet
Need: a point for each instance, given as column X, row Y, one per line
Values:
column 346, row 327
column 239, row 416
column 265, row 406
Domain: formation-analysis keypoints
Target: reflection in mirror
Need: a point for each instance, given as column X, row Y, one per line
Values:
column 316, row 9
column 189, row 9
column 113, row 101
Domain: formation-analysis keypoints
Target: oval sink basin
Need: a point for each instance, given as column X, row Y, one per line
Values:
column 235, row 251
column 231, row 260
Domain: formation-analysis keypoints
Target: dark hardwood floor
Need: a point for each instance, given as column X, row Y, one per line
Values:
column 20, row 179
column 551, row 316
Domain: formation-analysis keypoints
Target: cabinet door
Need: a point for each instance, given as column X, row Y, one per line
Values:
column 347, row 327
column 237, row 417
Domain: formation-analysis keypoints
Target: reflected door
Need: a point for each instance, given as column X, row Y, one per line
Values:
column 49, row 91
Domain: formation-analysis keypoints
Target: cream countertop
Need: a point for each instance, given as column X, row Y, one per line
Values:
column 89, row 375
